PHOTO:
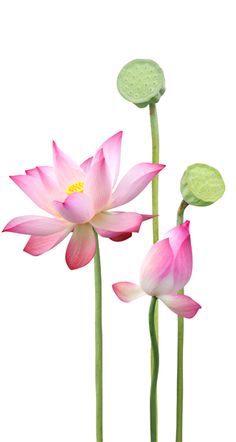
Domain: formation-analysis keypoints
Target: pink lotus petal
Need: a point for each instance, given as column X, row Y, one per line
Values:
column 37, row 245
column 98, row 185
column 119, row 236
column 85, row 166
column 177, row 236
column 111, row 150
column 114, row 236
column 34, row 189
column 50, row 183
column 182, row 305
column 156, row 276
column 66, row 170
column 47, row 170
column 117, row 221
column 36, row 225
column 127, row 291
column 98, row 157
column 33, row 172
column 183, row 263
column 134, row 182
column 81, row 248
column 77, row 208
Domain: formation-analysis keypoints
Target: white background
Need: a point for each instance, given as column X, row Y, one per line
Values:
column 59, row 63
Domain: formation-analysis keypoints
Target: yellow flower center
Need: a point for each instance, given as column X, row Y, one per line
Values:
column 76, row 187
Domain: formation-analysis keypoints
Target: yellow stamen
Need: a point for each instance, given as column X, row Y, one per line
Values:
column 76, row 187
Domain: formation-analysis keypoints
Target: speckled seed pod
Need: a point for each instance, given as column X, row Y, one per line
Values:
column 201, row 185
column 142, row 82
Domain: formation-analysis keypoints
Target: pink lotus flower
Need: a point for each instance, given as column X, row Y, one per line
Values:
column 166, row 269
column 79, row 197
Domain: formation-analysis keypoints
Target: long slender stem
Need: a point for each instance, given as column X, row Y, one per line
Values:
column 155, row 159
column 98, row 343
column 153, row 312
column 155, row 366
column 180, row 352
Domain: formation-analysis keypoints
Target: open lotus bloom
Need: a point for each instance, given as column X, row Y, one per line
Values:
column 166, row 269
column 78, row 198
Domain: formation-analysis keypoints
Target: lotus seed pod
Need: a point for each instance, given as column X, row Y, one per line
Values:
column 201, row 185
column 142, row 82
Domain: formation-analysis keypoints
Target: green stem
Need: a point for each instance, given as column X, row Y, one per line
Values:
column 98, row 342
column 180, row 351
column 155, row 367
column 155, row 159
column 153, row 312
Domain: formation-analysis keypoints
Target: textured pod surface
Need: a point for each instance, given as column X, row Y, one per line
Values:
column 142, row 82
column 201, row 185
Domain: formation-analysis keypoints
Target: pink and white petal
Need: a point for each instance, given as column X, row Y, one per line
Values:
column 183, row 263
column 37, row 245
column 177, row 236
column 81, row 248
column 134, row 182
column 77, row 208
column 34, row 189
column 119, row 236
column 117, row 221
column 182, row 305
column 98, row 185
column 48, row 170
column 51, row 185
column 127, row 291
column 156, row 275
column 114, row 236
column 66, row 170
column 85, row 166
column 36, row 225
column 111, row 150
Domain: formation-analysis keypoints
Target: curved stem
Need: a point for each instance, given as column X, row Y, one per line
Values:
column 180, row 351
column 153, row 312
column 98, row 343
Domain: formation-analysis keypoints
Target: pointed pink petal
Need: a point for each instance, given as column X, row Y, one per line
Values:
column 36, row 225
column 81, row 248
column 77, row 208
column 183, row 263
column 49, row 171
column 52, row 188
column 156, row 276
column 33, row 172
column 66, row 170
column 182, row 305
column 177, row 236
column 134, row 182
column 127, row 291
column 98, row 185
column 85, row 166
column 41, row 244
column 118, row 221
column 111, row 150
column 34, row 189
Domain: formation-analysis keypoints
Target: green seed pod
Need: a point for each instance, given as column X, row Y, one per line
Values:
column 142, row 82
column 201, row 185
